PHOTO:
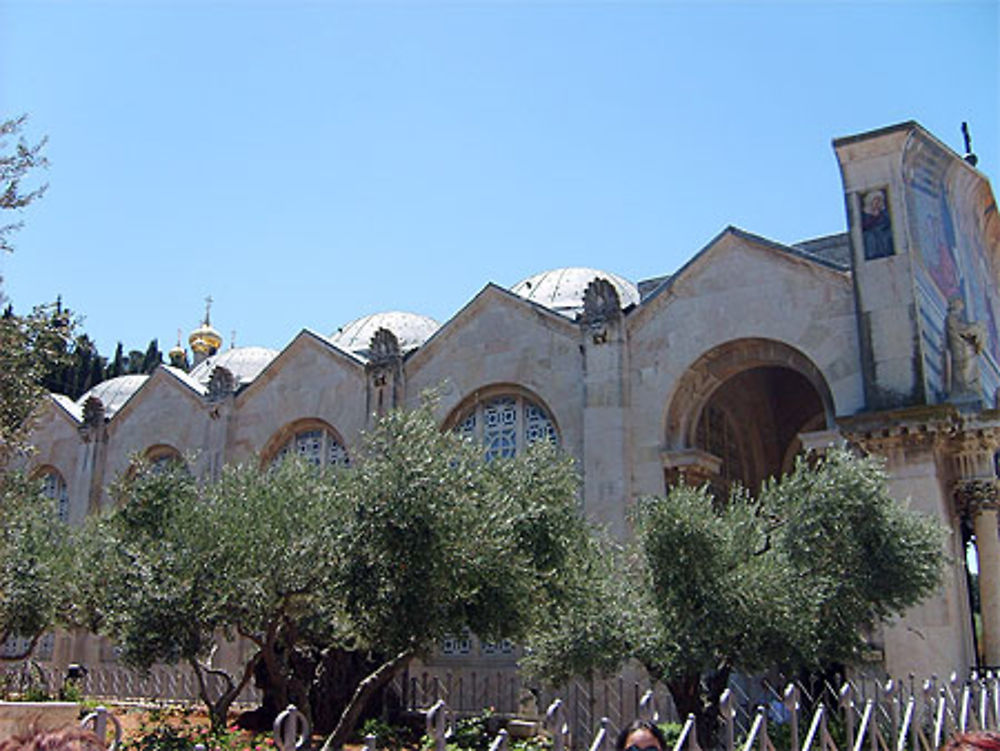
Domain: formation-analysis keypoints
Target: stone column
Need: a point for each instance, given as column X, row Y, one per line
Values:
column 603, row 340
column 220, row 400
column 94, row 435
column 383, row 375
column 981, row 500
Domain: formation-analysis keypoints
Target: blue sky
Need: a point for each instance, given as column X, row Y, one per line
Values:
column 306, row 163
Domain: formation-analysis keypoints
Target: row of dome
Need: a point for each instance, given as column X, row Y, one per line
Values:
column 560, row 290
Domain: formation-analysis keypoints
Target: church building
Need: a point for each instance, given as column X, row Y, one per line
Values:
column 883, row 337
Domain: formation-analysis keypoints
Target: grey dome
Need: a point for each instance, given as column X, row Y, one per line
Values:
column 562, row 290
column 114, row 392
column 245, row 363
column 411, row 329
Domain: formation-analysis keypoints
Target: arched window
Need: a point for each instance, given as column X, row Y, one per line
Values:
column 54, row 487
column 505, row 424
column 16, row 646
column 318, row 446
column 162, row 457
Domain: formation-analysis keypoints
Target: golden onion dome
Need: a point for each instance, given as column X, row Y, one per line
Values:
column 205, row 339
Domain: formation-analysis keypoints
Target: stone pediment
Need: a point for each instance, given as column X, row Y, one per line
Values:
column 304, row 348
column 715, row 269
column 522, row 313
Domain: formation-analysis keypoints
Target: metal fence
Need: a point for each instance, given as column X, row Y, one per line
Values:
column 171, row 683
column 865, row 713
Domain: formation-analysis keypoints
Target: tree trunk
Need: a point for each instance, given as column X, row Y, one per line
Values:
column 366, row 689
column 696, row 696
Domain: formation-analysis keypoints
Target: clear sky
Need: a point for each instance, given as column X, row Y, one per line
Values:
column 307, row 163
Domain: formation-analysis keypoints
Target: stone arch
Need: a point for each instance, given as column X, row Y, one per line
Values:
column 749, row 398
column 160, row 452
column 533, row 418
column 295, row 430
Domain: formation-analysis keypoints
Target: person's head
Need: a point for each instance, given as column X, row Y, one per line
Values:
column 640, row 735
column 63, row 739
column 979, row 741
column 874, row 203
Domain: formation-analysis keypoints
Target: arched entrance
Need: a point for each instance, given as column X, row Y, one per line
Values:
column 738, row 411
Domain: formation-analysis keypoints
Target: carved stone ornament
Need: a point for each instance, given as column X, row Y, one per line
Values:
column 601, row 303
column 93, row 412
column 221, row 383
column 383, row 348
column 964, row 341
column 972, row 496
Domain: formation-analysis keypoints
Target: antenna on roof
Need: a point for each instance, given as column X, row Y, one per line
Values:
column 969, row 156
column 232, row 340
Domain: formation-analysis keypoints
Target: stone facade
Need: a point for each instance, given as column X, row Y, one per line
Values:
column 721, row 371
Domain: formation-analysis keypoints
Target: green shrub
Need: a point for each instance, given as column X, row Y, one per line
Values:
column 172, row 730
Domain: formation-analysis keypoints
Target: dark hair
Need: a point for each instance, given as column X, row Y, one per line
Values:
column 981, row 741
column 65, row 739
column 648, row 725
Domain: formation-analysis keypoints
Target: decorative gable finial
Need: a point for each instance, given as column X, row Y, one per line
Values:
column 383, row 347
column 94, row 414
column 601, row 302
column 221, row 383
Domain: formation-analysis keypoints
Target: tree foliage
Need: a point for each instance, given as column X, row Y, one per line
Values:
column 35, row 562
column 790, row 578
column 182, row 564
column 31, row 347
column 419, row 539
column 17, row 162
column 436, row 540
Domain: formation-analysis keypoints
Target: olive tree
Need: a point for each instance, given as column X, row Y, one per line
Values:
column 436, row 540
column 179, row 565
column 419, row 539
column 791, row 577
column 36, row 557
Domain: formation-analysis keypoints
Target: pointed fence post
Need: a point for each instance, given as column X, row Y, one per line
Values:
column 291, row 730
column 817, row 728
column 555, row 722
column 791, row 701
column 600, row 742
column 98, row 722
column 890, row 693
column 501, row 741
column 688, row 736
column 847, row 707
column 647, row 707
column 728, row 712
column 437, row 724
column 758, row 728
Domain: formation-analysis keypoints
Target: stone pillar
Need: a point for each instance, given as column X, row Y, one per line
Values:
column 980, row 500
column 383, row 374
column 94, row 432
column 221, row 396
column 605, row 464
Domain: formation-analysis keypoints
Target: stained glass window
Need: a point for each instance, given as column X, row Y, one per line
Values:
column 506, row 424
column 54, row 487
column 317, row 447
